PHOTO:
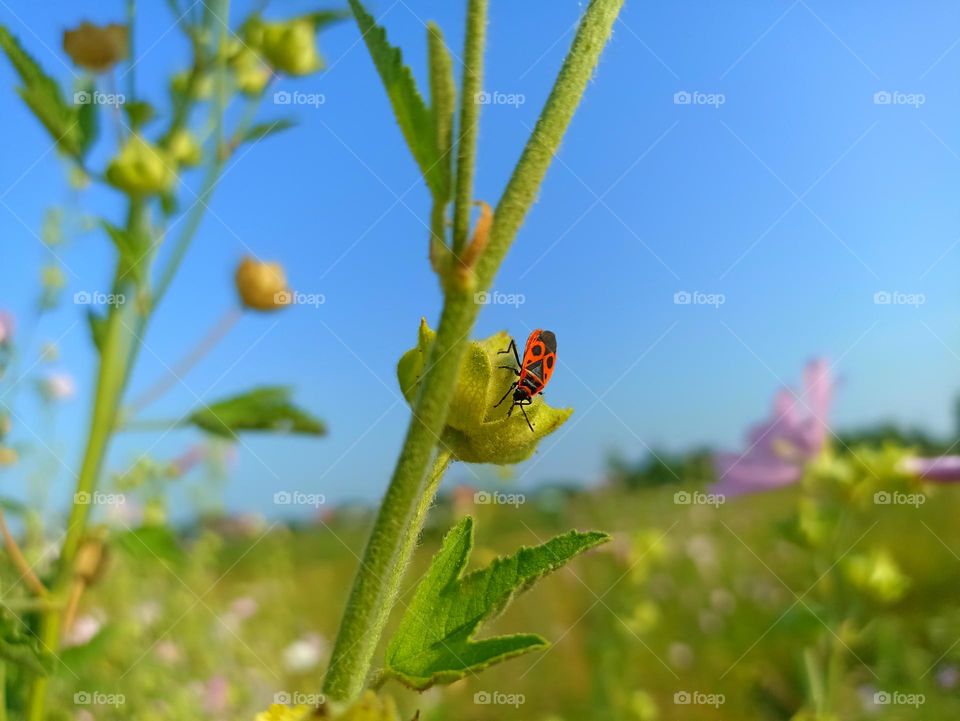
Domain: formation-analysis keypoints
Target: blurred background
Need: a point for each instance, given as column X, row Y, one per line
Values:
column 794, row 196
column 746, row 187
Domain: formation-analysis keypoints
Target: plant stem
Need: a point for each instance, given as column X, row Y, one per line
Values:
column 390, row 546
column 19, row 562
column 472, row 85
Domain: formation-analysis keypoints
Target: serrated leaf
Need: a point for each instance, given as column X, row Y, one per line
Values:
column 434, row 642
column 262, row 409
column 21, row 647
column 42, row 95
column 262, row 130
column 412, row 114
column 443, row 99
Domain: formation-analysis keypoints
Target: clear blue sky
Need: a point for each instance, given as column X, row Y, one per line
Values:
column 798, row 198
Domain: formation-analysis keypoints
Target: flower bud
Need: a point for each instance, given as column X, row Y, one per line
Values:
column 96, row 48
column 250, row 73
column 141, row 168
column 289, row 47
column 8, row 456
column 184, row 149
column 262, row 285
column 476, row 431
column 878, row 575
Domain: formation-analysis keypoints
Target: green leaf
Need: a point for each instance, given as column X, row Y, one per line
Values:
column 132, row 247
column 262, row 130
column 150, row 544
column 443, row 99
column 98, row 328
column 413, row 116
column 88, row 120
column 262, row 409
column 139, row 113
column 22, row 647
column 42, row 95
column 434, row 642
column 323, row 18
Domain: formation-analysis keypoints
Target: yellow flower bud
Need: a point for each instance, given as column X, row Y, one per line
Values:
column 142, row 168
column 8, row 456
column 262, row 285
column 185, row 149
column 96, row 48
column 278, row 712
column 251, row 74
column 290, row 47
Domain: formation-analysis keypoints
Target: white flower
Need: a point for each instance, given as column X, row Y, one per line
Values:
column 83, row 630
column 304, row 654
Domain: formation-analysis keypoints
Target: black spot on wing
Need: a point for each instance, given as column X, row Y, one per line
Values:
column 549, row 340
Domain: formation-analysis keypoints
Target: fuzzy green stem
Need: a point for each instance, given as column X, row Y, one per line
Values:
column 389, row 547
column 472, row 86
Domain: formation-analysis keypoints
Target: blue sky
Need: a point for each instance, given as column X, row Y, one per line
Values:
column 789, row 190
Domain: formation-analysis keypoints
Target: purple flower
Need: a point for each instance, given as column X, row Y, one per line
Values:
column 943, row 469
column 778, row 448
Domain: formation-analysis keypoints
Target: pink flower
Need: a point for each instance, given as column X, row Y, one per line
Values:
column 7, row 327
column 778, row 448
column 943, row 469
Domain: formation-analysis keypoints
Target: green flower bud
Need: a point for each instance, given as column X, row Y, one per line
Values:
column 878, row 575
column 290, row 46
column 142, row 168
column 250, row 73
column 476, row 431
column 185, row 149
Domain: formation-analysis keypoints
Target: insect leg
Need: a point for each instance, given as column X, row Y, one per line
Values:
column 525, row 415
column 509, row 390
column 510, row 368
column 511, row 347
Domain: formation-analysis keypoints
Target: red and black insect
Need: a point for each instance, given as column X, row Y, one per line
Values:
column 533, row 373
